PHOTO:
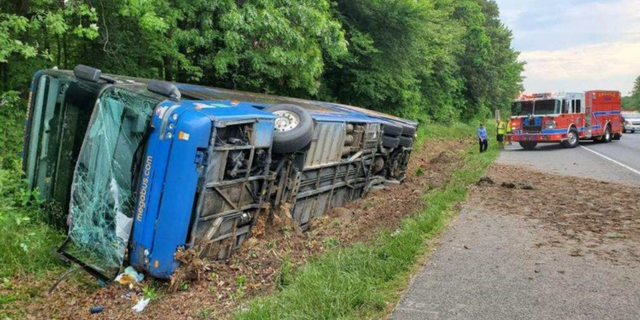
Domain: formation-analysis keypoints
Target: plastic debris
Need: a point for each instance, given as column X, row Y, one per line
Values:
column 129, row 276
column 95, row 310
column 130, row 295
column 139, row 307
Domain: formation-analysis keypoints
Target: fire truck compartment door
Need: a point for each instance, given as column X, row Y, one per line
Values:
column 587, row 121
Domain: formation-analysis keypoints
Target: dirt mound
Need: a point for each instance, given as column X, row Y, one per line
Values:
column 590, row 216
column 192, row 268
column 446, row 156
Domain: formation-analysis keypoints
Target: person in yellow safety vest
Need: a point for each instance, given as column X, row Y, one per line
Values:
column 509, row 131
column 502, row 130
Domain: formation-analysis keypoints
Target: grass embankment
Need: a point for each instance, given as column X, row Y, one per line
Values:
column 362, row 281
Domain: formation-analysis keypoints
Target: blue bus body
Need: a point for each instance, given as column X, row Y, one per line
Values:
column 203, row 161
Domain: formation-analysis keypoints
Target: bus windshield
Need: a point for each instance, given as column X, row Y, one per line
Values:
column 102, row 194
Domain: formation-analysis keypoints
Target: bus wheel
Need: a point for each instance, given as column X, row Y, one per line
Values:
column 293, row 128
column 572, row 139
column 528, row 145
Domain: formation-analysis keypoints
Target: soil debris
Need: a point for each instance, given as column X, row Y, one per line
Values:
column 485, row 180
column 589, row 217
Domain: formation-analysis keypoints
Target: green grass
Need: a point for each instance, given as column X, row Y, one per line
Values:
column 363, row 280
column 26, row 242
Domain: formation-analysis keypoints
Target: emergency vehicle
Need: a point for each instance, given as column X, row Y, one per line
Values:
column 566, row 118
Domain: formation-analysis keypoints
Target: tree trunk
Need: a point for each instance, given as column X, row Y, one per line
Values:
column 168, row 71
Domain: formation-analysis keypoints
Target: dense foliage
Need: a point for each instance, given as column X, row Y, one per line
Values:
column 438, row 60
column 632, row 102
column 427, row 59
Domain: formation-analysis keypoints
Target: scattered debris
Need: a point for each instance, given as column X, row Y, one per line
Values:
column 129, row 277
column 192, row 268
column 95, row 310
column 584, row 221
column 614, row 235
column 508, row 185
column 485, row 180
column 131, row 294
column 139, row 307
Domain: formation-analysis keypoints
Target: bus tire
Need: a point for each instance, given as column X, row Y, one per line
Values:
column 390, row 142
column 392, row 129
column 528, row 145
column 406, row 142
column 288, row 139
column 408, row 131
column 573, row 139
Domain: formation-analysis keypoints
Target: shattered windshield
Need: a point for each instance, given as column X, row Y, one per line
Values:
column 543, row 107
column 102, row 194
column 522, row 108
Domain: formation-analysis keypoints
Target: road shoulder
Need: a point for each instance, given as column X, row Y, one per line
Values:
column 535, row 256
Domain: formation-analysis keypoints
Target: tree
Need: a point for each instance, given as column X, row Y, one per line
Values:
column 440, row 60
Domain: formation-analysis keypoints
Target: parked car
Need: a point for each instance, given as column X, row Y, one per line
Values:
column 631, row 121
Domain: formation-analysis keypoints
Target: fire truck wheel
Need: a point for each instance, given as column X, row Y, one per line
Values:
column 392, row 129
column 607, row 134
column 293, row 128
column 528, row 145
column 573, row 139
column 390, row 142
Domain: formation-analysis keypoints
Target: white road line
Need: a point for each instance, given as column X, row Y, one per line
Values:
column 614, row 161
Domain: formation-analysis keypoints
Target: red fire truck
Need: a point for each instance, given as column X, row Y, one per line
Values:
column 566, row 118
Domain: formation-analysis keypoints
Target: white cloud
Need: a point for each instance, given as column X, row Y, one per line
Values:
column 576, row 44
column 599, row 60
column 606, row 66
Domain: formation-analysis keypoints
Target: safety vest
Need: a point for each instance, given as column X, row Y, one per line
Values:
column 501, row 128
column 509, row 127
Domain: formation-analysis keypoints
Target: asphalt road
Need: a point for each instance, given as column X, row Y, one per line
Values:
column 487, row 265
column 587, row 161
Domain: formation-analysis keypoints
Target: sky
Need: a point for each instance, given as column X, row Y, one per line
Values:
column 576, row 45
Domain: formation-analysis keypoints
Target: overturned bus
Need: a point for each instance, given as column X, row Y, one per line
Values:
column 142, row 169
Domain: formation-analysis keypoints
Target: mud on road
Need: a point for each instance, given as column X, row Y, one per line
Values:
column 590, row 217
column 531, row 245
column 260, row 266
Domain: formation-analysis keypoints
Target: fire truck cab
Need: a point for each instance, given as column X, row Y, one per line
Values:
column 566, row 118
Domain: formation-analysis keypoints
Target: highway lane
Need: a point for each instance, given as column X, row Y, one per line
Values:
column 498, row 266
column 587, row 161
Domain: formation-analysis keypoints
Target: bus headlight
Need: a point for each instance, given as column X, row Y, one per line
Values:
column 550, row 124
